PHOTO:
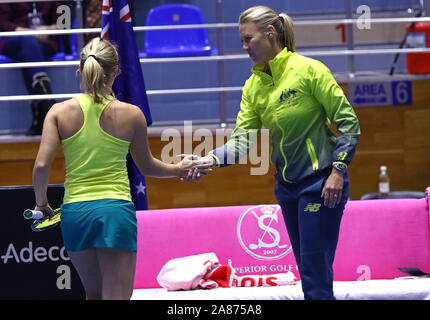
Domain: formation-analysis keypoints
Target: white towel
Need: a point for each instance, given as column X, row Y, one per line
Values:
column 203, row 271
column 187, row 272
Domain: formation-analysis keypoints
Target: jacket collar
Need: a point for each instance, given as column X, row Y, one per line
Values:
column 275, row 66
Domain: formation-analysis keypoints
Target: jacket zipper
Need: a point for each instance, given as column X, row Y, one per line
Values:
column 312, row 154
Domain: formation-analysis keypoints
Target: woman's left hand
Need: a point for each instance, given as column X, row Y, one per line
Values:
column 332, row 190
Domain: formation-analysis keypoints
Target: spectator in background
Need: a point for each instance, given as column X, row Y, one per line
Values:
column 31, row 16
column 139, row 10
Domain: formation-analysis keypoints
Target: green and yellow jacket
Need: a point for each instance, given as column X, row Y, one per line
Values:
column 297, row 104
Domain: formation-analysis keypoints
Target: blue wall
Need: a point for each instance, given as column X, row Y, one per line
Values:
column 17, row 116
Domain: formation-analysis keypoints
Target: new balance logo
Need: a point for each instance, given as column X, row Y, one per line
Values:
column 312, row 207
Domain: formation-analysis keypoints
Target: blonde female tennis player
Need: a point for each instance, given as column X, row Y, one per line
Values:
column 96, row 132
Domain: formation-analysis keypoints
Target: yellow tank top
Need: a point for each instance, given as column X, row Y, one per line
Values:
column 96, row 165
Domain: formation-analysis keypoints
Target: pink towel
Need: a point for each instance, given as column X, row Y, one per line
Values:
column 204, row 271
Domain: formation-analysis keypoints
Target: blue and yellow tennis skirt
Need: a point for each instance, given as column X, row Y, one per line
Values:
column 105, row 223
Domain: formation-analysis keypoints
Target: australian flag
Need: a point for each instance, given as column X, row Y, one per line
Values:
column 129, row 86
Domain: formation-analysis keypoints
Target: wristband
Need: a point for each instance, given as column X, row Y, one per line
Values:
column 216, row 164
column 339, row 167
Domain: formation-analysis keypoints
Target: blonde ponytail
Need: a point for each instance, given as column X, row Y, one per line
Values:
column 99, row 61
column 263, row 16
column 287, row 31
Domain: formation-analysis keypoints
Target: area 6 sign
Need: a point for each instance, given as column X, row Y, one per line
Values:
column 380, row 93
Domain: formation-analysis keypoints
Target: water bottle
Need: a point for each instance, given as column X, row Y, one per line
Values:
column 384, row 183
column 32, row 214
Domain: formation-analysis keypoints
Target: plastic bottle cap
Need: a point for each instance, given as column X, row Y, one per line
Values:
column 28, row 214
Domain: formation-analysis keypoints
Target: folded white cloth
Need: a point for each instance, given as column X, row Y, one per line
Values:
column 203, row 271
column 187, row 272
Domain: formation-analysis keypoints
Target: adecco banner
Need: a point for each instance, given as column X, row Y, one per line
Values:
column 33, row 265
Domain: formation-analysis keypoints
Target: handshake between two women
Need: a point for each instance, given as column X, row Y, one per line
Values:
column 194, row 167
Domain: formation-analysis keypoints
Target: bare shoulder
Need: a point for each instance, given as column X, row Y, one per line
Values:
column 125, row 106
column 64, row 107
column 130, row 111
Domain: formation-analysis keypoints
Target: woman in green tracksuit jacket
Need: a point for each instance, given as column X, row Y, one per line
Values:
column 296, row 99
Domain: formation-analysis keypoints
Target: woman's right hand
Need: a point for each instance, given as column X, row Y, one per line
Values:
column 193, row 167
